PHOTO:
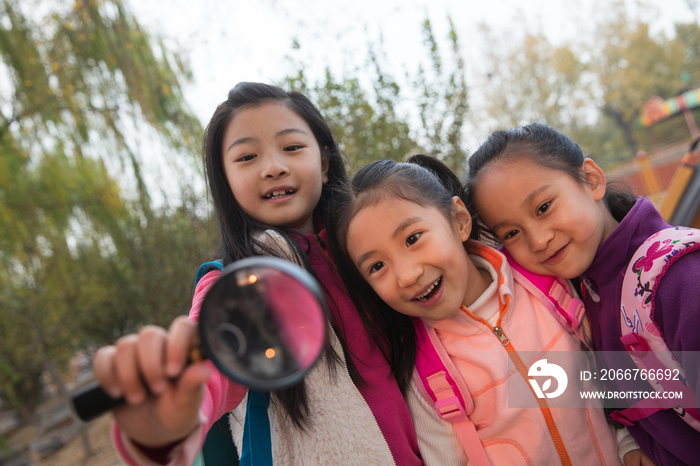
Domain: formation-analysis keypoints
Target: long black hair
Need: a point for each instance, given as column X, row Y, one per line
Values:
column 423, row 180
column 239, row 231
column 549, row 148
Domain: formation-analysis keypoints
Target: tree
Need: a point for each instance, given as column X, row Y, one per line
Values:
column 365, row 129
column 633, row 66
column 688, row 35
column 533, row 80
column 86, row 85
column 443, row 100
column 592, row 87
column 388, row 121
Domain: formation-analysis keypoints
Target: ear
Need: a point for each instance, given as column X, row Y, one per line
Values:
column 463, row 220
column 325, row 163
column 595, row 178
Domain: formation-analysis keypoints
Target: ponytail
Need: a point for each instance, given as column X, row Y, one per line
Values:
column 453, row 186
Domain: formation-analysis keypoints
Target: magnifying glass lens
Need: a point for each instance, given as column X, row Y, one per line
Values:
column 233, row 337
column 262, row 325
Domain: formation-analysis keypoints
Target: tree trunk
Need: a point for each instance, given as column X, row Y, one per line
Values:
column 65, row 396
column 624, row 126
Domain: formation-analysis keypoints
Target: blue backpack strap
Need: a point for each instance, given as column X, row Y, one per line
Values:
column 257, row 443
column 206, row 268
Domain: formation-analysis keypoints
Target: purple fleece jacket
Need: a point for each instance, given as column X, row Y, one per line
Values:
column 381, row 392
column 664, row 436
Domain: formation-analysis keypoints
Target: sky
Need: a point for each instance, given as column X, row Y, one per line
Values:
column 251, row 40
column 228, row 41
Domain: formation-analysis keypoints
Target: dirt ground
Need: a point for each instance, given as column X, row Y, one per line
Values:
column 73, row 454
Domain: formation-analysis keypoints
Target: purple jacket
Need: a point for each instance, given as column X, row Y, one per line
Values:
column 664, row 436
column 381, row 392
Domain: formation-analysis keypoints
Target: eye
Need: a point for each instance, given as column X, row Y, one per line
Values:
column 510, row 234
column 376, row 267
column 246, row 158
column 543, row 208
column 411, row 240
column 293, row 148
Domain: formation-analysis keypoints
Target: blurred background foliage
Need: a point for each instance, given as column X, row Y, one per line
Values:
column 86, row 255
column 95, row 243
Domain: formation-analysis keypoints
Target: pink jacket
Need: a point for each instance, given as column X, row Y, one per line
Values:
column 514, row 435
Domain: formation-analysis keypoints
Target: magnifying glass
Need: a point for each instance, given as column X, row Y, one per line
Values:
column 262, row 324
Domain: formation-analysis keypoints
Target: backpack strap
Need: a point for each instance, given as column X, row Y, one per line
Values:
column 564, row 305
column 206, row 268
column 641, row 335
column 257, row 443
column 645, row 408
column 451, row 398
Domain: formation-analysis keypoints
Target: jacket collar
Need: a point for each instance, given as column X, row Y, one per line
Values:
column 462, row 323
column 614, row 253
column 499, row 262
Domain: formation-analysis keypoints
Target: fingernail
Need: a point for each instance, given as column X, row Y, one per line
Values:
column 135, row 398
column 114, row 392
column 171, row 369
column 158, row 387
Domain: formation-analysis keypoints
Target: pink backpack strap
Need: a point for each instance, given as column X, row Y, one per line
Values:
column 645, row 408
column 450, row 396
column 566, row 308
column 640, row 333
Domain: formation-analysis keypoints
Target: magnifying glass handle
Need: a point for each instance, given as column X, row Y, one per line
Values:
column 91, row 400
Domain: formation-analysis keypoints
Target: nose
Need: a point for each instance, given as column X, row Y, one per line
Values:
column 274, row 167
column 539, row 239
column 408, row 273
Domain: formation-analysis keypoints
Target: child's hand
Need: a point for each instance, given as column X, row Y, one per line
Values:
column 154, row 361
column 638, row 458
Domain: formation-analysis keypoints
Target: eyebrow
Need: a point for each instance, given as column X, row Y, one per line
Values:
column 405, row 224
column 533, row 194
column 363, row 258
column 525, row 203
column 283, row 132
column 402, row 226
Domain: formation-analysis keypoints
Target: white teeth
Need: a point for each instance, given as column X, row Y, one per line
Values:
column 427, row 292
column 276, row 194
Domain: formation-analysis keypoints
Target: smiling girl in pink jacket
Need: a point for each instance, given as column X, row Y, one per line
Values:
column 410, row 253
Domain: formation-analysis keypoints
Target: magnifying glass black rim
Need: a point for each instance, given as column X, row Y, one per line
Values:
column 287, row 268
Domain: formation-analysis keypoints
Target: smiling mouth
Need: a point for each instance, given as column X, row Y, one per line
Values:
column 429, row 292
column 557, row 255
column 278, row 194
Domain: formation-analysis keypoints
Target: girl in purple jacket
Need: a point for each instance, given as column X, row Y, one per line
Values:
column 555, row 214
